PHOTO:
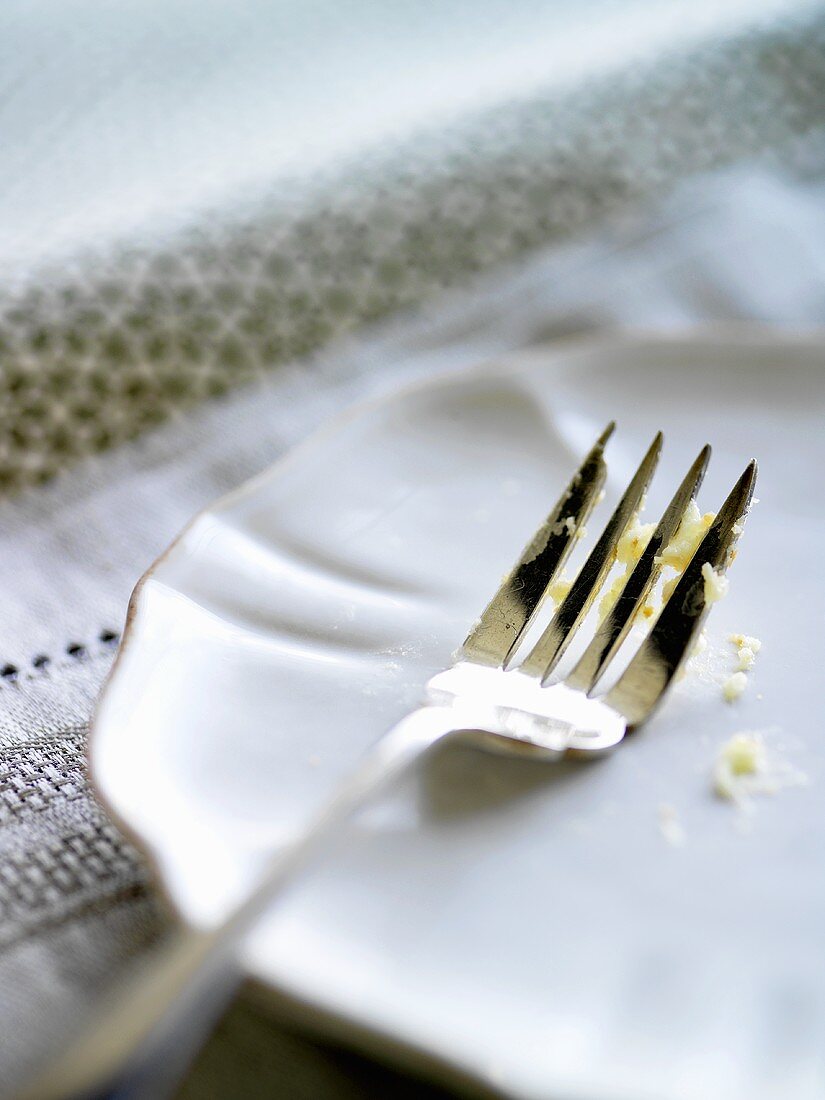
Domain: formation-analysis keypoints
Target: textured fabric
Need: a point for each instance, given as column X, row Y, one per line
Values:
column 212, row 291
column 76, row 901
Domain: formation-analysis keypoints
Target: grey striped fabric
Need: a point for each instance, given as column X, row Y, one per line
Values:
column 110, row 341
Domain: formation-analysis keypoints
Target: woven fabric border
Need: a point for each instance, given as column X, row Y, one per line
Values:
column 94, row 352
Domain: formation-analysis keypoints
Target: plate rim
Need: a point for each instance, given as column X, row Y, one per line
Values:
column 285, row 1002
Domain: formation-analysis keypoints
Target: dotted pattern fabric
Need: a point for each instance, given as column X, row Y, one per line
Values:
column 101, row 348
column 80, row 855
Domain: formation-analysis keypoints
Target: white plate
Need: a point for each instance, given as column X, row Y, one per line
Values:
column 524, row 923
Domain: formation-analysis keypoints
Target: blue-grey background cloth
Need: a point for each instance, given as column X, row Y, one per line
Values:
column 222, row 224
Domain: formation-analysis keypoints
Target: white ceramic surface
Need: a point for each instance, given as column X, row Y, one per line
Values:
column 526, row 923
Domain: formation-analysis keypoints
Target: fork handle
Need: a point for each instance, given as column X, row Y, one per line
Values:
column 147, row 1034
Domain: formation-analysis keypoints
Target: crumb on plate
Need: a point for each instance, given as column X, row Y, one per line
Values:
column 746, row 649
column 744, row 766
column 734, row 686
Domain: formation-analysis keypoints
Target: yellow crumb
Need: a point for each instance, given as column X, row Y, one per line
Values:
column 700, row 645
column 632, row 544
column 567, row 524
column 676, row 556
column 629, row 549
column 734, row 686
column 689, row 534
column 746, row 649
column 716, row 585
column 742, row 755
column 559, row 588
column 745, row 767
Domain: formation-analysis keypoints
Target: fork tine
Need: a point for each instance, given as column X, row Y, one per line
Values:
column 568, row 615
column 520, row 594
column 613, row 631
column 650, row 672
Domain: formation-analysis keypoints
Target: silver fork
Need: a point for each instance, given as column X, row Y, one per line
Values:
column 148, row 1033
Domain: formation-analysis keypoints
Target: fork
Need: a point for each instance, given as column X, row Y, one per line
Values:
column 487, row 697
